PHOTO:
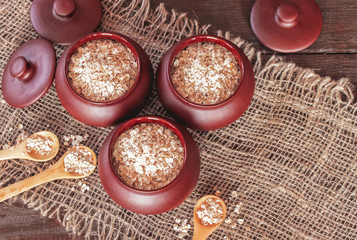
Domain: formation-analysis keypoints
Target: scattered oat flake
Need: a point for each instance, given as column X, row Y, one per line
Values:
column 237, row 209
column 66, row 138
column 84, row 188
column 228, row 220
column 21, row 137
column 74, row 140
column 218, row 193
column 240, row 221
column 6, row 146
column 181, row 227
column 175, row 227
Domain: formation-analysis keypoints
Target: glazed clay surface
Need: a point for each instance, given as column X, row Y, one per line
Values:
column 154, row 201
column 205, row 117
column 105, row 114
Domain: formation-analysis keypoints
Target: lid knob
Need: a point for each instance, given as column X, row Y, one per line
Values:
column 286, row 25
column 21, row 69
column 64, row 8
column 286, row 14
column 64, row 21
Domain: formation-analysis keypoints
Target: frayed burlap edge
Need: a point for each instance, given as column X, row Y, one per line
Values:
column 335, row 92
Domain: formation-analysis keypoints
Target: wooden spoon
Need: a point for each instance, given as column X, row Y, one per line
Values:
column 20, row 151
column 201, row 232
column 56, row 171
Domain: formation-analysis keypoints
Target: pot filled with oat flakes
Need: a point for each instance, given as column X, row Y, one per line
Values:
column 103, row 78
column 207, row 82
column 149, row 164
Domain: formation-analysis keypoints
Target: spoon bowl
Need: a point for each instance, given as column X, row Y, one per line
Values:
column 20, row 150
column 55, row 172
column 201, row 232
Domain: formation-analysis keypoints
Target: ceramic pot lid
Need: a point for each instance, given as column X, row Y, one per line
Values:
column 286, row 25
column 29, row 73
column 64, row 21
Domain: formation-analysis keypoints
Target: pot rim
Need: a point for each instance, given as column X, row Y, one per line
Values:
column 147, row 119
column 103, row 35
column 212, row 39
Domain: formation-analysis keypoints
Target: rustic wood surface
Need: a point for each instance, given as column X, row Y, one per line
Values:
column 334, row 54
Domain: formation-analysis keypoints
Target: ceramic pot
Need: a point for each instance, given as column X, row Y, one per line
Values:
column 103, row 114
column 152, row 201
column 205, row 117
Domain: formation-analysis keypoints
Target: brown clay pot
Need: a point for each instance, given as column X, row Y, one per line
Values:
column 205, row 117
column 153, row 201
column 105, row 114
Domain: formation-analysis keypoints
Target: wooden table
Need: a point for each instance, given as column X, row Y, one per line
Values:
column 334, row 54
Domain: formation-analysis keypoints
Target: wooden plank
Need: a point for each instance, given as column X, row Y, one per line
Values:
column 335, row 66
column 19, row 222
column 338, row 35
column 333, row 54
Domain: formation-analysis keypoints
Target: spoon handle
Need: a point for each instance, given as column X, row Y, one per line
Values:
column 10, row 154
column 6, row 154
column 48, row 175
column 15, row 152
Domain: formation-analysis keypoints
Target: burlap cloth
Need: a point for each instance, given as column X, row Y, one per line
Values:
column 291, row 158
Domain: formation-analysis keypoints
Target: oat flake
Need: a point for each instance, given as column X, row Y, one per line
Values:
column 39, row 145
column 102, row 70
column 205, row 73
column 79, row 160
column 210, row 212
column 148, row 156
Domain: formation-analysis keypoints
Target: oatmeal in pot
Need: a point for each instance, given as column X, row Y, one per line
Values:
column 205, row 73
column 102, row 70
column 148, row 156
